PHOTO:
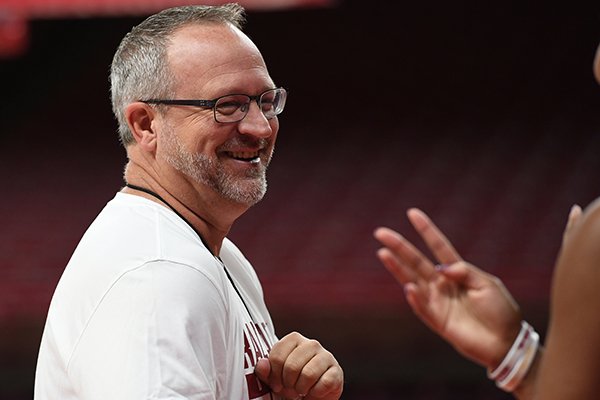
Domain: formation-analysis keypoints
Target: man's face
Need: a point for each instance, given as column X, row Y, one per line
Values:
column 230, row 159
column 245, row 184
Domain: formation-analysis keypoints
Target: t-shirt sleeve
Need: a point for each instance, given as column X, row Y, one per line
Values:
column 160, row 332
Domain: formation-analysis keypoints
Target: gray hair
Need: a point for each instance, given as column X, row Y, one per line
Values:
column 140, row 69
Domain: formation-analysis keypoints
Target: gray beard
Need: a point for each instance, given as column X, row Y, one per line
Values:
column 248, row 190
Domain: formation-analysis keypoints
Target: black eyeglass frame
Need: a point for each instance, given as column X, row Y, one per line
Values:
column 212, row 103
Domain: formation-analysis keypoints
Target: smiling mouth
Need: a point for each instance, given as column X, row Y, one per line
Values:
column 252, row 157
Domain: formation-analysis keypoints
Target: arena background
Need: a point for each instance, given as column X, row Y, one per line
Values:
column 484, row 114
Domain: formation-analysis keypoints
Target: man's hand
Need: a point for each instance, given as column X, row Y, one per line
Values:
column 298, row 367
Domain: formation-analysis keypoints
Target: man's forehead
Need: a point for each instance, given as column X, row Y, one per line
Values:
column 215, row 54
column 210, row 44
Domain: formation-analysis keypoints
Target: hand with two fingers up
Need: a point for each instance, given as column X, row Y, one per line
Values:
column 466, row 306
column 469, row 308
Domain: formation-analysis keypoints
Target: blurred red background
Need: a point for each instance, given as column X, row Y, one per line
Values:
column 484, row 115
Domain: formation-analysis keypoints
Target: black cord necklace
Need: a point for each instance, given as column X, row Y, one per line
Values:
column 157, row 196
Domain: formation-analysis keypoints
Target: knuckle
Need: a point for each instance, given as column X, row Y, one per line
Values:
column 314, row 344
column 330, row 383
column 295, row 335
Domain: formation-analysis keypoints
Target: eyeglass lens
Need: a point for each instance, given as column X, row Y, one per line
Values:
column 234, row 108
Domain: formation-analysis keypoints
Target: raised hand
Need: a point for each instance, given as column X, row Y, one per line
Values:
column 298, row 367
column 466, row 306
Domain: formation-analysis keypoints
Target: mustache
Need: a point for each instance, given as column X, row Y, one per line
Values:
column 244, row 141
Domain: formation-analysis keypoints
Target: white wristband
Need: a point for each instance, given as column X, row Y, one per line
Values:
column 509, row 359
column 518, row 360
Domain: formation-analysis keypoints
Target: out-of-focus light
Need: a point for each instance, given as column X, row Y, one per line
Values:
column 84, row 8
column 15, row 14
column 14, row 34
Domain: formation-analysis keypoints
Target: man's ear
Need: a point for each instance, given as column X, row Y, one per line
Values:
column 141, row 120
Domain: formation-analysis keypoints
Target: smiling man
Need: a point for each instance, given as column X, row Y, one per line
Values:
column 156, row 302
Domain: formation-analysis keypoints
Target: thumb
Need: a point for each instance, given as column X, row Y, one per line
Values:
column 263, row 369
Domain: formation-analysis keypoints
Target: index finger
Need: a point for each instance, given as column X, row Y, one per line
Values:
column 402, row 258
column 437, row 242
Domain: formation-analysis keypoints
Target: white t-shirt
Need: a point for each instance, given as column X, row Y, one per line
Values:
column 144, row 311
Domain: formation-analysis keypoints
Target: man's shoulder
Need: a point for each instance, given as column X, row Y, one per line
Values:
column 131, row 231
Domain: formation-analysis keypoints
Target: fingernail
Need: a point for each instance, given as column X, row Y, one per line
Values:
column 441, row 267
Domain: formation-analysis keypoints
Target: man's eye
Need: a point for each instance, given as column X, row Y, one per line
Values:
column 229, row 107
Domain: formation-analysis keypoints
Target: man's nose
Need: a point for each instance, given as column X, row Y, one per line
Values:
column 255, row 123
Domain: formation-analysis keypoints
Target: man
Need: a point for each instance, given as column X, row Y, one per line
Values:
column 474, row 312
column 156, row 302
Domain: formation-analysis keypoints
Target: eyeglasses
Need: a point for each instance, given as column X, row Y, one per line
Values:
column 235, row 107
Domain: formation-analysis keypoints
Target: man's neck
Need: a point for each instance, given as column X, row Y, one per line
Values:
column 205, row 211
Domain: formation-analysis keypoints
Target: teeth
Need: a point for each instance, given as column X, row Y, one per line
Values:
column 252, row 156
